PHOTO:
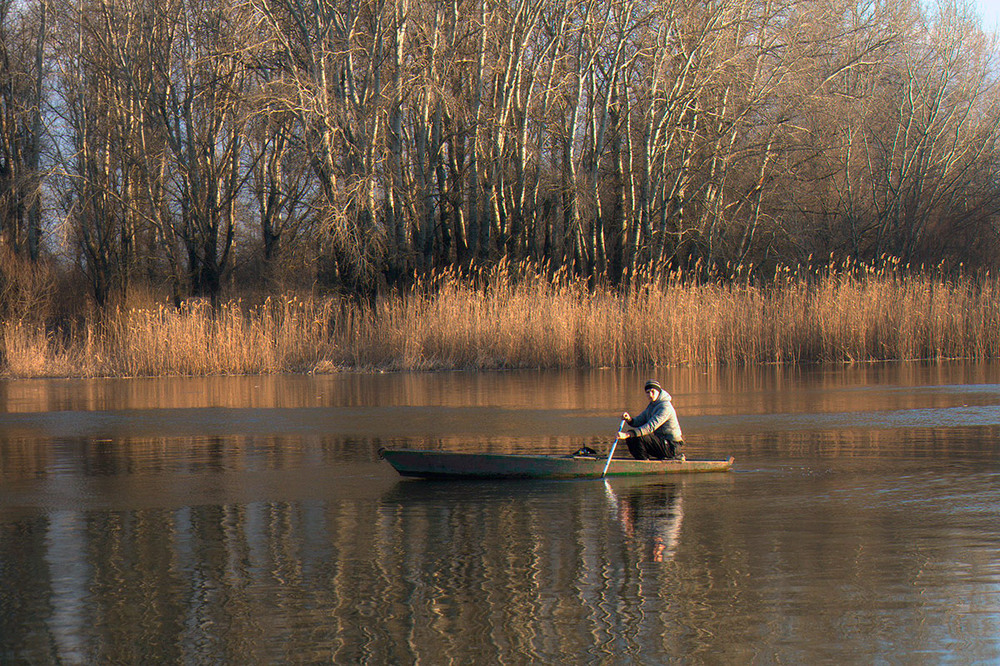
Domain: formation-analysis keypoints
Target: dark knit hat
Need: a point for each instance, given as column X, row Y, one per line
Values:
column 652, row 383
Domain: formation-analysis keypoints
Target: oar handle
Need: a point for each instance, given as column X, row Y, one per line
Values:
column 611, row 455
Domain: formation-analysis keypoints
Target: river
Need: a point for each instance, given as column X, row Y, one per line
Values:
column 249, row 520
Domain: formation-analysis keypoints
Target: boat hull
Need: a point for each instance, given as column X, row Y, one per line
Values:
column 450, row 465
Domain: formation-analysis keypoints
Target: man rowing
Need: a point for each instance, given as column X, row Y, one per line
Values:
column 655, row 433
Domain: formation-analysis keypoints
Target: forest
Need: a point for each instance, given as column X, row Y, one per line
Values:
column 196, row 150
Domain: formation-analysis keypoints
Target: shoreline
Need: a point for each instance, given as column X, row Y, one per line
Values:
column 443, row 370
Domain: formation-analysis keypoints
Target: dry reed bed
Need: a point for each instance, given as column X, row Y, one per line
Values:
column 509, row 320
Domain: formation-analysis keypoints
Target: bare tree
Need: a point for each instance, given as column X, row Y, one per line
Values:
column 23, row 29
column 333, row 55
column 607, row 136
column 281, row 184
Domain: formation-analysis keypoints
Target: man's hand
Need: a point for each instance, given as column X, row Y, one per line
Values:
column 626, row 417
column 622, row 434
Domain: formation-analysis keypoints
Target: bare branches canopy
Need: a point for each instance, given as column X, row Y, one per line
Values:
column 357, row 141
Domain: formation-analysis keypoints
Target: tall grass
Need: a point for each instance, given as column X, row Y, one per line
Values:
column 514, row 317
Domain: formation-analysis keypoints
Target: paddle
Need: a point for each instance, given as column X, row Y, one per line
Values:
column 610, row 455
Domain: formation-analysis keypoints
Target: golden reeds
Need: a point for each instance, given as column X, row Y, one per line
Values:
column 515, row 317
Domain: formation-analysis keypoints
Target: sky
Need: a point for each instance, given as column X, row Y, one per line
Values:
column 990, row 11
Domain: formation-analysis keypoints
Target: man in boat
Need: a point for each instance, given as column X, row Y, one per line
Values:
column 654, row 434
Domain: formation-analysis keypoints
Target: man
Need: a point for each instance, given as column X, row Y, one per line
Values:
column 655, row 433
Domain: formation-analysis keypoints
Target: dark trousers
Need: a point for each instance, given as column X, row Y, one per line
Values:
column 652, row 447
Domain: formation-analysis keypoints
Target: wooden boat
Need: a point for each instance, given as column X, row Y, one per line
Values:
column 450, row 465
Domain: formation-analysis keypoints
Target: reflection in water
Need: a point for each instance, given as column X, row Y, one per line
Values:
column 64, row 541
column 651, row 517
column 481, row 572
column 285, row 540
column 513, row 572
column 715, row 391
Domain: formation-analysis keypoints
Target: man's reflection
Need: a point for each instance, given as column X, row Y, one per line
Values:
column 650, row 516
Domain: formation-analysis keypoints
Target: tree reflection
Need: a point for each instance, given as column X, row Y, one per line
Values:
column 292, row 543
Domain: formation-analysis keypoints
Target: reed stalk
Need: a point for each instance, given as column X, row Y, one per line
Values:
column 518, row 317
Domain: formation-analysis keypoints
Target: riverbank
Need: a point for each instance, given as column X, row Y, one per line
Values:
column 529, row 321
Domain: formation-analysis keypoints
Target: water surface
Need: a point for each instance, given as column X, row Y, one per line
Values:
column 249, row 520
